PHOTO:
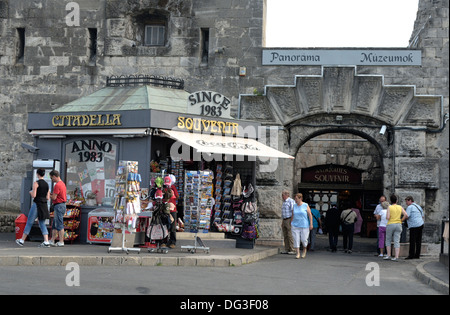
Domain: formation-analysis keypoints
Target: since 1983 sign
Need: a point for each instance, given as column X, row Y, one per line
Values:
column 210, row 104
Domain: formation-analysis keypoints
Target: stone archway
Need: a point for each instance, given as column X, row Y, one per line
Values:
column 340, row 100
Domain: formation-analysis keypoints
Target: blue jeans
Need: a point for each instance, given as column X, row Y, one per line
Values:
column 32, row 215
column 58, row 216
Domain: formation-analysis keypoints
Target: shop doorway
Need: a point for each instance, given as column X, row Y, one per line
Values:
column 341, row 168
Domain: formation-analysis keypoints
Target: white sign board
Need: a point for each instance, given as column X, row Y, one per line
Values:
column 209, row 104
column 341, row 57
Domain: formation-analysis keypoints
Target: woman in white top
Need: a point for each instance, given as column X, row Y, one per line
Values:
column 382, row 227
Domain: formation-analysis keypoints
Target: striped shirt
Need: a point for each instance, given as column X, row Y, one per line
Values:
column 287, row 208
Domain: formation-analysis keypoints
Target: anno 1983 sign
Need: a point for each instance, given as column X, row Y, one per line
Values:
column 341, row 57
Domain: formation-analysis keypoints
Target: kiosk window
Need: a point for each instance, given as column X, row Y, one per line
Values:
column 90, row 171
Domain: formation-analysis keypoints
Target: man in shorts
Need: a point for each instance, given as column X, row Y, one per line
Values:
column 58, row 198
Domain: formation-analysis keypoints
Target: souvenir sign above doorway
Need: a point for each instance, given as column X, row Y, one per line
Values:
column 331, row 174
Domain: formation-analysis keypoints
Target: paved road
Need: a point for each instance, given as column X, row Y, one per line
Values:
column 320, row 273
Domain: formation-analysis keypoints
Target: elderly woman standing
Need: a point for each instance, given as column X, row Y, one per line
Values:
column 395, row 216
column 301, row 224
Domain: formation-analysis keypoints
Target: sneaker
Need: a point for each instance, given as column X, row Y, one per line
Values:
column 349, row 251
column 394, row 259
column 19, row 242
column 51, row 243
column 172, row 245
column 59, row 244
column 44, row 244
column 387, row 257
column 381, row 255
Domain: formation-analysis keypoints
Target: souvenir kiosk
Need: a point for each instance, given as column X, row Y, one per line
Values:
column 154, row 122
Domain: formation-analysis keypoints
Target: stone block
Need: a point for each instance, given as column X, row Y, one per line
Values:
column 187, row 261
column 29, row 261
column 9, row 261
column 150, row 261
column 111, row 260
column 51, row 261
column 169, row 261
column 418, row 172
column 116, row 27
column 130, row 261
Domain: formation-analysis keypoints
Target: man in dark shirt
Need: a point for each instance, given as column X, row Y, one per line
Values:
column 333, row 221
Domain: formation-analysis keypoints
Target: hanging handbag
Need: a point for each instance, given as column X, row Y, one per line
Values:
column 249, row 207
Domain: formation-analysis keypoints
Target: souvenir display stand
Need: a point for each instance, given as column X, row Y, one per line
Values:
column 198, row 205
column 126, row 203
column 71, row 221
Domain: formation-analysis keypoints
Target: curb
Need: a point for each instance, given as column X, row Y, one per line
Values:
column 138, row 260
column 430, row 280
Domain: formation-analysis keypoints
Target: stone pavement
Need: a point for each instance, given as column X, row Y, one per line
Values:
column 222, row 254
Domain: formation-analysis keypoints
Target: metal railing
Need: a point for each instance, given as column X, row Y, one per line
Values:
column 140, row 80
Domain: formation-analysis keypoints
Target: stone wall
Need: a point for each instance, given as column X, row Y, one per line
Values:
column 7, row 222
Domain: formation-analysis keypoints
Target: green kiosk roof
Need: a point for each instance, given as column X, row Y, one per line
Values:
column 120, row 98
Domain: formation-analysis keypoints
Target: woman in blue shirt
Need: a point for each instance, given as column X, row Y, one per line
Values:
column 301, row 224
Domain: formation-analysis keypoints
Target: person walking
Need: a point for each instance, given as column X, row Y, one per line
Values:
column 332, row 222
column 394, row 227
column 286, row 213
column 348, row 219
column 59, row 198
column 416, row 217
column 301, row 224
column 317, row 223
column 39, row 209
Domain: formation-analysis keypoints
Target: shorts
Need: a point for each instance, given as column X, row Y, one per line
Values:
column 393, row 233
column 300, row 235
column 58, row 216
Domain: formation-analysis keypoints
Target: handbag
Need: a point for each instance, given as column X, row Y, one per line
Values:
column 158, row 232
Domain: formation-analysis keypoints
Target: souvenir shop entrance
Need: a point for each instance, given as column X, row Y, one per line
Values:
column 214, row 188
column 340, row 186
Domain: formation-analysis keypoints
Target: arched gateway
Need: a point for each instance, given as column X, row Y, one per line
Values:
column 393, row 122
